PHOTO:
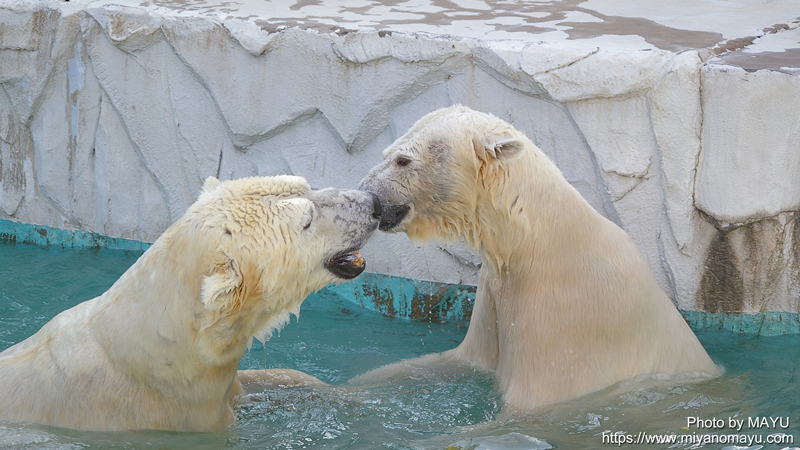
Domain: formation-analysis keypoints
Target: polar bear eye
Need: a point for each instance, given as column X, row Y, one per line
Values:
column 309, row 218
column 402, row 161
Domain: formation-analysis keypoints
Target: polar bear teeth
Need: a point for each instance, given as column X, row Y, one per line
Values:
column 346, row 265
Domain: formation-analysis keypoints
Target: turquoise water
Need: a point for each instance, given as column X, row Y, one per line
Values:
column 334, row 340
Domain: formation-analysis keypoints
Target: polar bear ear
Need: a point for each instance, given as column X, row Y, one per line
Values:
column 223, row 290
column 210, row 184
column 498, row 148
column 507, row 149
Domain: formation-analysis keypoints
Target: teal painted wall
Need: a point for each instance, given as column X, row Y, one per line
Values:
column 25, row 233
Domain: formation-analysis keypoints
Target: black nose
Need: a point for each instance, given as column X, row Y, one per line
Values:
column 376, row 206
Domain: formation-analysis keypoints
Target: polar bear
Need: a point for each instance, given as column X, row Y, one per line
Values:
column 160, row 349
column 566, row 304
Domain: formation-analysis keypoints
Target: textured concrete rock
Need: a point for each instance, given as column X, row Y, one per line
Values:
column 682, row 129
column 759, row 174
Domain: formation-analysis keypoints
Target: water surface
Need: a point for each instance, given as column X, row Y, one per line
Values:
column 335, row 340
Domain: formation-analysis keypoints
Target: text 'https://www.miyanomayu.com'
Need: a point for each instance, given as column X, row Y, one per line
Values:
column 745, row 431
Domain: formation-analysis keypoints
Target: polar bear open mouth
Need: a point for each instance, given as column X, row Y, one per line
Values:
column 346, row 264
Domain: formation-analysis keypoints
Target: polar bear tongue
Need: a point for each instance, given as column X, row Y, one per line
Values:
column 346, row 265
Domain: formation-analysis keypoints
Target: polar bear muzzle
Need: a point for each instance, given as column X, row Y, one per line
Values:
column 349, row 264
column 390, row 209
column 392, row 216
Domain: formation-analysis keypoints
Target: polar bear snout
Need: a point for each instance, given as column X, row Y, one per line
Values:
column 352, row 215
column 392, row 208
column 392, row 216
column 364, row 215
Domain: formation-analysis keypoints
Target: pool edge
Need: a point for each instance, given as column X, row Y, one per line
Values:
column 12, row 232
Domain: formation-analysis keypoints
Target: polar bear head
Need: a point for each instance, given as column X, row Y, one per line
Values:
column 264, row 243
column 432, row 179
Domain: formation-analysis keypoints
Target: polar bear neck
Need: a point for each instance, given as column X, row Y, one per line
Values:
column 161, row 285
column 519, row 206
column 166, row 282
